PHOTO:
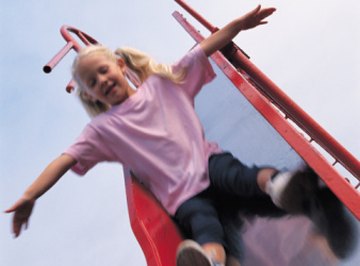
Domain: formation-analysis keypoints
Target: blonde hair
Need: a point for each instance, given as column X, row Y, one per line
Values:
column 139, row 67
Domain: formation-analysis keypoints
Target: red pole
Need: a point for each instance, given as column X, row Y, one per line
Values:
column 197, row 16
column 71, row 43
column 56, row 59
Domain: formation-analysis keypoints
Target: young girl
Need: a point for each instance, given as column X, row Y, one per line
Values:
column 155, row 132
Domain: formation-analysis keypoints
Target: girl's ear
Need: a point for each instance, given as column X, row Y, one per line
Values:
column 87, row 96
column 121, row 64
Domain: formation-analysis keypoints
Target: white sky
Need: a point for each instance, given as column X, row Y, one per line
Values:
column 309, row 48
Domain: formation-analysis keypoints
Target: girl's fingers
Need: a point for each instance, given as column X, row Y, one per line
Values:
column 257, row 9
column 267, row 12
column 11, row 209
column 254, row 11
column 18, row 224
column 22, row 211
column 264, row 14
column 27, row 224
column 16, row 206
column 16, row 228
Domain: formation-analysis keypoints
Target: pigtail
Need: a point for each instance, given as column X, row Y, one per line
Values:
column 144, row 66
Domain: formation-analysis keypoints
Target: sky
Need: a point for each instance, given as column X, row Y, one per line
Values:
column 309, row 49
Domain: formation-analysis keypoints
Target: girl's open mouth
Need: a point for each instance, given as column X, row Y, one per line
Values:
column 109, row 89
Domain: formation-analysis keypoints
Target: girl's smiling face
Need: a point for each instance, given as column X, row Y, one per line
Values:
column 104, row 79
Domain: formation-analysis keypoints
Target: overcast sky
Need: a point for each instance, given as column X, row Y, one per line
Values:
column 309, row 48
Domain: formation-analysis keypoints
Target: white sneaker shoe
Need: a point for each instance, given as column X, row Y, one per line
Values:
column 190, row 253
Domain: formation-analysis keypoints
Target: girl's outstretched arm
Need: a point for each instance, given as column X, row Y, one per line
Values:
column 223, row 36
column 23, row 207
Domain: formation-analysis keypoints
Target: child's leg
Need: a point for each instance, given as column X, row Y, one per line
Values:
column 287, row 190
column 232, row 225
column 199, row 218
column 295, row 192
column 228, row 176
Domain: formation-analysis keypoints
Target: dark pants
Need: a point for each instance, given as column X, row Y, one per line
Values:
column 213, row 215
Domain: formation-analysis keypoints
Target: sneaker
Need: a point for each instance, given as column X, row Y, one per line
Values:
column 191, row 253
column 332, row 220
column 300, row 193
column 292, row 191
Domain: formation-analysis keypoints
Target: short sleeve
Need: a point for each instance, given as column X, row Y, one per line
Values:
column 87, row 151
column 198, row 70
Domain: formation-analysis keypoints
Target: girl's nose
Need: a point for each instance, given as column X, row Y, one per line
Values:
column 103, row 82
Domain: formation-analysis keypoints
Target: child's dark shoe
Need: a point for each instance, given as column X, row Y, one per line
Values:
column 332, row 219
column 299, row 193
column 292, row 191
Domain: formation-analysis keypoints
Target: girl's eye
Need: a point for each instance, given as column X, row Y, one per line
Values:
column 92, row 83
column 103, row 69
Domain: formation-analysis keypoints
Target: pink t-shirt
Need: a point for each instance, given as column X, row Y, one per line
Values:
column 156, row 134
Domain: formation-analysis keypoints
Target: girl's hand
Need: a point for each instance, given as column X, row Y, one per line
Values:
column 223, row 36
column 255, row 17
column 23, row 207
column 22, row 210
